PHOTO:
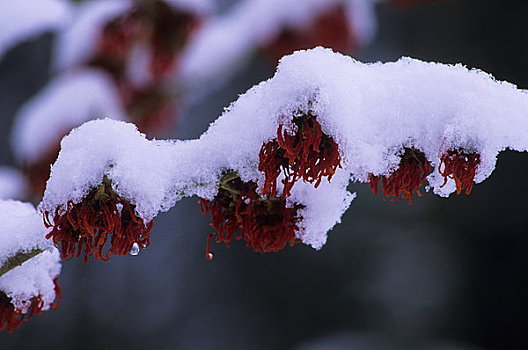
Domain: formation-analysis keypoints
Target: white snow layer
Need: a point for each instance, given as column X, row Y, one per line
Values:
column 31, row 279
column 66, row 102
column 254, row 23
column 77, row 42
column 22, row 229
column 371, row 110
column 12, row 183
column 21, row 20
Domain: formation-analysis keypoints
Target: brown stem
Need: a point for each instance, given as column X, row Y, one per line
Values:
column 18, row 259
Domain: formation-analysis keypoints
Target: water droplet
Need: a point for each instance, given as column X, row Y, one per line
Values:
column 209, row 256
column 135, row 249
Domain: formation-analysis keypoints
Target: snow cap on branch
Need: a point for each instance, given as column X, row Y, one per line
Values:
column 12, row 183
column 21, row 20
column 78, row 41
column 322, row 120
column 22, row 229
column 29, row 265
column 66, row 102
column 253, row 24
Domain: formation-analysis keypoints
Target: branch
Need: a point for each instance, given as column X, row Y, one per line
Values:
column 18, row 259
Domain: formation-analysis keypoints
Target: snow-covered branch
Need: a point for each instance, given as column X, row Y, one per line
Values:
column 29, row 265
column 279, row 159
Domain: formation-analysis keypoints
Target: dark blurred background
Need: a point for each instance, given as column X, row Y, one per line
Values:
column 437, row 274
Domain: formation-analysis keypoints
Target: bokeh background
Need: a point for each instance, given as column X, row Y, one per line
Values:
column 437, row 274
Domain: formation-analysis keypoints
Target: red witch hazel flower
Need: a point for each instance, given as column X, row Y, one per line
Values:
column 163, row 32
column 330, row 29
column 88, row 225
column 150, row 108
column 461, row 167
column 172, row 29
column 266, row 224
column 306, row 153
column 11, row 317
column 410, row 175
column 156, row 26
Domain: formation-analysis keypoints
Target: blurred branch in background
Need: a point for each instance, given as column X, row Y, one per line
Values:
column 437, row 274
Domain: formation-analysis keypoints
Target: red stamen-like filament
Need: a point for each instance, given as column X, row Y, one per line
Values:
column 410, row 175
column 306, row 153
column 88, row 225
column 266, row 224
column 10, row 318
column 461, row 167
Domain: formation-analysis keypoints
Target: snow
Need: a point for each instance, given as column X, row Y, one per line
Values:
column 362, row 19
column 33, row 278
column 66, row 102
column 21, row 20
column 12, row 183
column 371, row 110
column 77, row 42
column 254, row 23
column 22, row 229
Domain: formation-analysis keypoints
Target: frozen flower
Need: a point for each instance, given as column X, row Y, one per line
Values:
column 66, row 102
column 29, row 265
column 87, row 225
column 151, row 108
column 266, row 224
column 305, row 152
column 460, row 166
column 329, row 28
column 11, row 317
column 410, row 175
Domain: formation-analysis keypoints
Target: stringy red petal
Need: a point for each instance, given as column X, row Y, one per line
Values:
column 86, row 226
column 308, row 154
column 11, row 319
column 461, row 167
column 266, row 225
column 410, row 175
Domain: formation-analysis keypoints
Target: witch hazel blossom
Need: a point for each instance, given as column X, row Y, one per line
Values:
column 29, row 289
column 29, row 266
column 274, row 168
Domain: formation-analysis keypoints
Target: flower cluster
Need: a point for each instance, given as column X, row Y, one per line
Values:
column 86, row 226
column 275, row 167
column 160, row 30
column 266, row 224
column 11, row 317
column 461, row 167
column 305, row 152
column 330, row 28
column 414, row 168
column 406, row 179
